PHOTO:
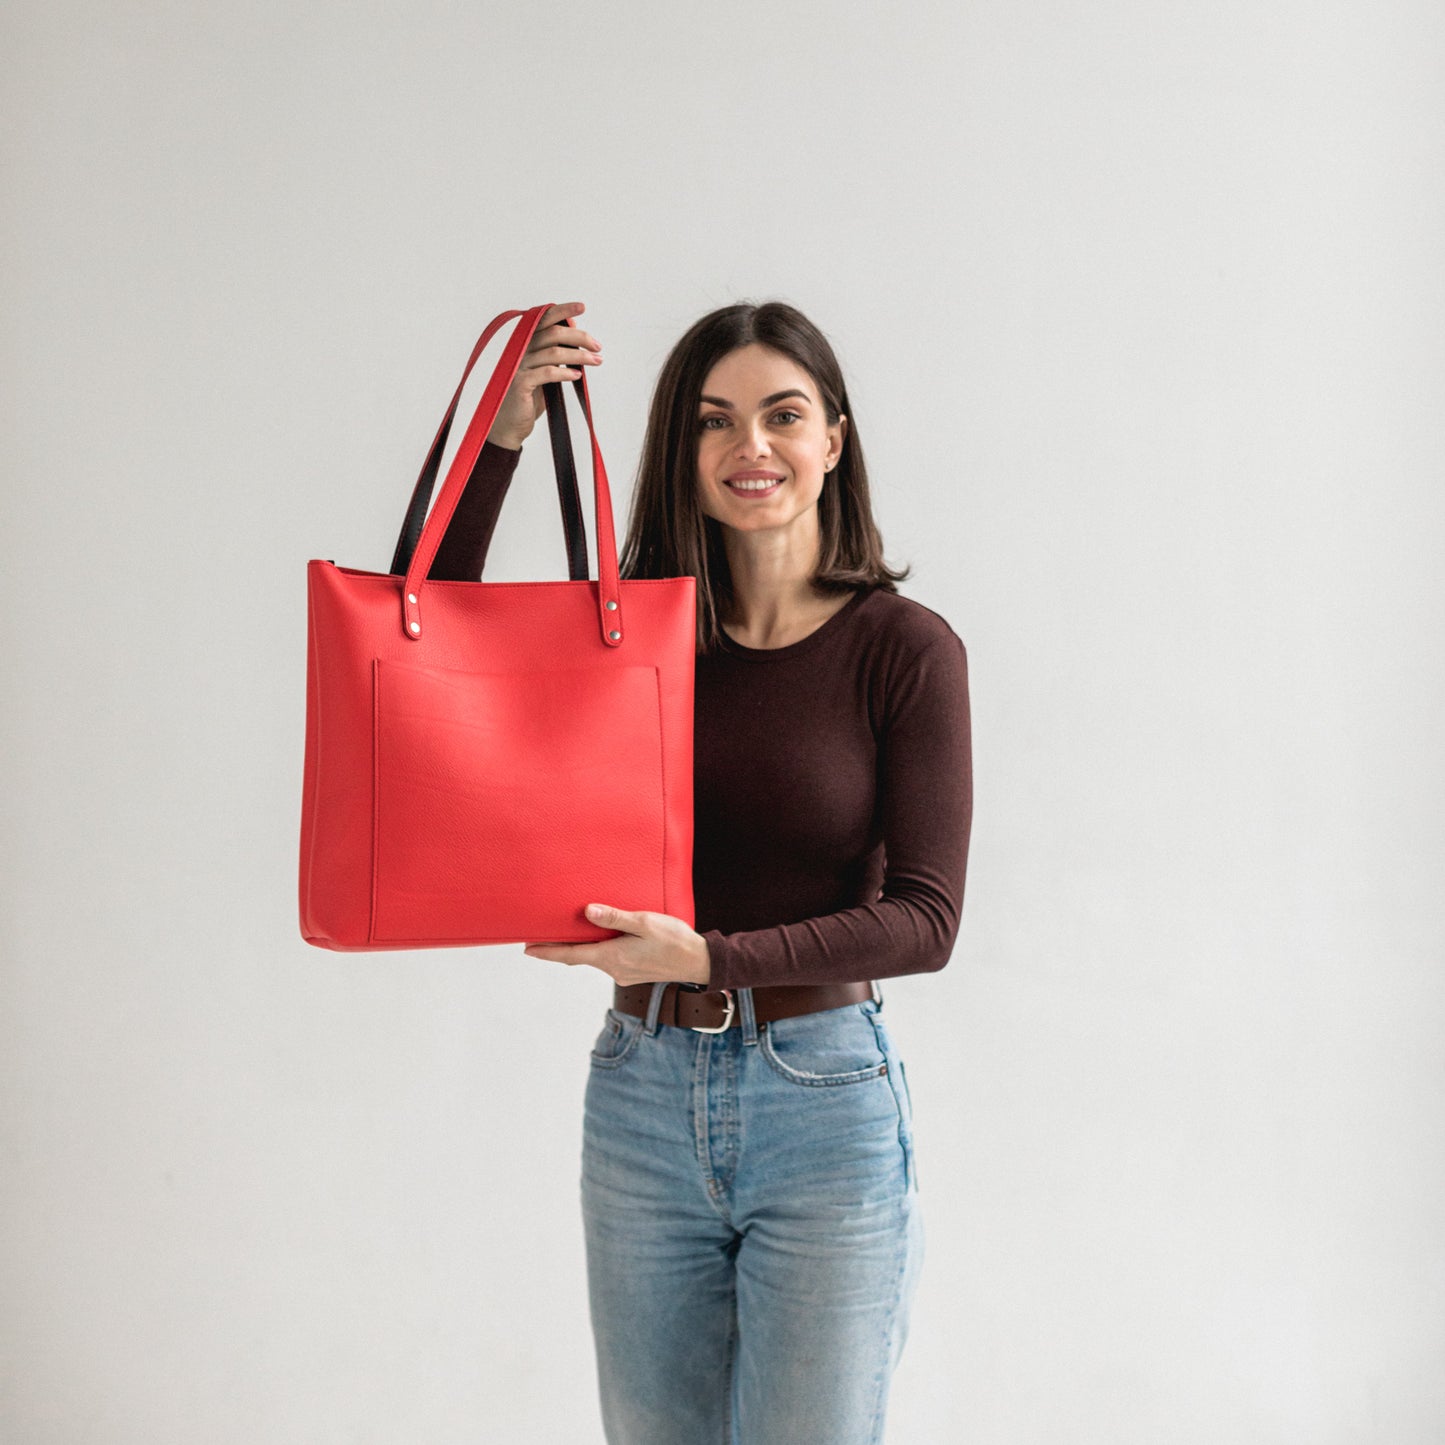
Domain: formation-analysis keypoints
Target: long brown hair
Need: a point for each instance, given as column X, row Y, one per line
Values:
column 668, row 533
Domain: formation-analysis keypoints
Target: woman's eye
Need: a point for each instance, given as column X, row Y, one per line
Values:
column 777, row 416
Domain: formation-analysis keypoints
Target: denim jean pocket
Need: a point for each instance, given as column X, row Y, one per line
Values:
column 616, row 1040
column 832, row 1046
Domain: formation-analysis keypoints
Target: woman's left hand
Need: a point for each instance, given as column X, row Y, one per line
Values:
column 652, row 948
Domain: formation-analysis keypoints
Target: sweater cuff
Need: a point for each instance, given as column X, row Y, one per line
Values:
column 719, row 956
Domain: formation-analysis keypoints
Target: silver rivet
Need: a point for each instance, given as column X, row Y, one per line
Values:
column 411, row 597
column 614, row 635
column 612, row 607
column 416, row 627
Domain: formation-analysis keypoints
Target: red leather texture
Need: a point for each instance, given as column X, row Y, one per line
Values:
column 484, row 759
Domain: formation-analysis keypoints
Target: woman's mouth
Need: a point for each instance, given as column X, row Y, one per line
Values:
column 758, row 487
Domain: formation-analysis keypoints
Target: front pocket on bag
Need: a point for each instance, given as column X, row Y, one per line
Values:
column 832, row 1046
column 501, row 796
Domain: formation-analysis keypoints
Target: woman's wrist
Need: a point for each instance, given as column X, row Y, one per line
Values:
column 701, row 970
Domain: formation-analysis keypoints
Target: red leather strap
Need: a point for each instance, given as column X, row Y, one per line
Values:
column 563, row 464
column 609, row 593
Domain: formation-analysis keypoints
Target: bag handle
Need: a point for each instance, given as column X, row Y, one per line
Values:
column 563, row 464
column 608, row 594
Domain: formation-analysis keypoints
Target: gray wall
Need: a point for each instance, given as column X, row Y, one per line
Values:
column 1141, row 307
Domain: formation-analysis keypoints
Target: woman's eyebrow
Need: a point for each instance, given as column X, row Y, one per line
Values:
column 766, row 401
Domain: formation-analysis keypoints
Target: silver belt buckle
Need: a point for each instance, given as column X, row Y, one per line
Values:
column 726, row 1024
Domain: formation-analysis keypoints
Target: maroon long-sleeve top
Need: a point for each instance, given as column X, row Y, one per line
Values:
column 833, row 782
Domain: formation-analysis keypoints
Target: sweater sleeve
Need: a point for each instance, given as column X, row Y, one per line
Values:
column 463, row 550
column 926, row 803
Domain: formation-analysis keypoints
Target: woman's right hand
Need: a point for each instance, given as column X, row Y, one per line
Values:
column 556, row 352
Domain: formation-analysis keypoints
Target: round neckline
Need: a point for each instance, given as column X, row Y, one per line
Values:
column 792, row 649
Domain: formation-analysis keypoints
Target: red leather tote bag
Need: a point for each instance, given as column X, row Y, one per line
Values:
column 483, row 759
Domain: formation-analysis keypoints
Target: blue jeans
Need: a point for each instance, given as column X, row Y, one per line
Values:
column 750, row 1210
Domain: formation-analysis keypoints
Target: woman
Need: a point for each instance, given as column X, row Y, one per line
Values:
column 749, row 1191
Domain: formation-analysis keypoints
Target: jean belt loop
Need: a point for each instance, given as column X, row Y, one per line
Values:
column 748, row 1017
column 877, row 994
column 654, row 1008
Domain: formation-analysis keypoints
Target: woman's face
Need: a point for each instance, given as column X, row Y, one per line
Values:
column 761, row 412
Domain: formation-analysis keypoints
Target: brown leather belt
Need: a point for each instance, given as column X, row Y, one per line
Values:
column 685, row 1006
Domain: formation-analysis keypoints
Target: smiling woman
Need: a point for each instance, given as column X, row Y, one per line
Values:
column 749, row 1186
column 767, row 450
column 757, row 481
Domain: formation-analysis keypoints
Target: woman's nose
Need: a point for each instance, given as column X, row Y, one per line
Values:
column 754, row 442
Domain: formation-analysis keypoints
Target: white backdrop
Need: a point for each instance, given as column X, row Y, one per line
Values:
column 1142, row 311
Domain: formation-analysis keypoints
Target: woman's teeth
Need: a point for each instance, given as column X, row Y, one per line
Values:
column 755, row 486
